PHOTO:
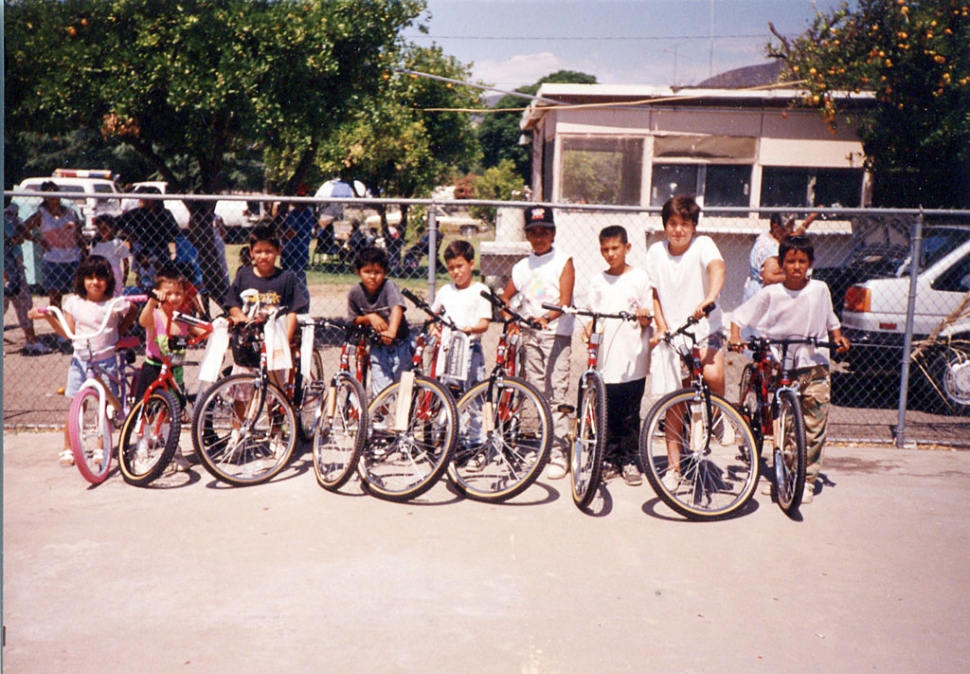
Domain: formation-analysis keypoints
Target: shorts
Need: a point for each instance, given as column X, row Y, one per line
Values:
column 58, row 276
column 77, row 374
column 715, row 341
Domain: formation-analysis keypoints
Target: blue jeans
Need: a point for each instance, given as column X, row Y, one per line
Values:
column 77, row 374
column 387, row 363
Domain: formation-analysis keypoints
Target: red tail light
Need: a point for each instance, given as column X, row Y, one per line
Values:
column 856, row 299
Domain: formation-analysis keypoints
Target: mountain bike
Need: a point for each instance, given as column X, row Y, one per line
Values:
column 771, row 404
column 95, row 410
column 504, row 425
column 589, row 430
column 697, row 451
column 150, row 434
column 411, row 432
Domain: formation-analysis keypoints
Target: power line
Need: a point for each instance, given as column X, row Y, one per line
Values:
column 586, row 38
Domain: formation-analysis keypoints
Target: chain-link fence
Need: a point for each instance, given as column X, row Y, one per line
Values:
column 891, row 313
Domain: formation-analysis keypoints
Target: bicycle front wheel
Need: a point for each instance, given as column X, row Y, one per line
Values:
column 700, row 459
column 748, row 403
column 149, row 438
column 504, row 438
column 90, row 436
column 312, row 394
column 341, row 433
column 410, row 440
column 244, row 434
column 586, row 461
column 790, row 454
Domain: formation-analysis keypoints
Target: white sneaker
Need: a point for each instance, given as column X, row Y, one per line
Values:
column 66, row 458
column 97, row 455
column 671, row 481
column 631, row 475
column 557, row 468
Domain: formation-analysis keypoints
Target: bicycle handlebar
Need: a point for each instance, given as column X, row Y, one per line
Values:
column 762, row 343
column 112, row 308
column 500, row 304
column 691, row 321
column 574, row 311
column 426, row 308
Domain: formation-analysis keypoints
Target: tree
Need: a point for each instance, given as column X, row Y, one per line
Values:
column 914, row 57
column 189, row 84
column 498, row 183
column 405, row 141
column 499, row 133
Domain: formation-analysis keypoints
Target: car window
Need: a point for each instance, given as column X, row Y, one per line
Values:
column 956, row 279
column 103, row 189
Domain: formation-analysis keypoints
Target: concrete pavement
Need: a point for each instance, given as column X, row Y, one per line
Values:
column 194, row 576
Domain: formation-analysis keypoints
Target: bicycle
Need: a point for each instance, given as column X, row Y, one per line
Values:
column 150, row 433
column 504, row 426
column 770, row 403
column 95, row 410
column 589, row 429
column 699, row 439
column 411, row 432
column 244, row 426
column 340, row 426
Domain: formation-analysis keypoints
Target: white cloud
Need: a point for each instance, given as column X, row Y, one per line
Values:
column 518, row 70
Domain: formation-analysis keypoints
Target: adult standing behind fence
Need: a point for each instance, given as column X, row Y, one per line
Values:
column 764, row 268
column 15, row 288
column 60, row 237
column 297, row 231
column 151, row 229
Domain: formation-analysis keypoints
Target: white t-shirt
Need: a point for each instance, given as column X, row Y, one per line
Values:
column 114, row 251
column 625, row 350
column 60, row 235
column 681, row 282
column 87, row 318
column 465, row 307
column 778, row 313
column 536, row 278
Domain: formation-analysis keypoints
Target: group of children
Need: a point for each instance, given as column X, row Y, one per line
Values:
column 684, row 274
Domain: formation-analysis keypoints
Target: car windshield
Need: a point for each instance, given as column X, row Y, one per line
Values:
column 936, row 244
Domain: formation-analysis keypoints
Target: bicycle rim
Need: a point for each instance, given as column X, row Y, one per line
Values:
column 790, row 453
column 586, row 462
column 313, row 393
column 404, row 460
column 90, row 436
column 339, row 438
column 504, row 438
column 149, row 438
column 718, row 465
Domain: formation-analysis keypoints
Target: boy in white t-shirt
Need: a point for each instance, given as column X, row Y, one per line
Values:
column 547, row 275
column 113, row 249
column 462, row 302
column 624, row 357
column 799, row 307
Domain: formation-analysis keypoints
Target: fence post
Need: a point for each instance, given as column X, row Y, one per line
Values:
column 432, row 249
column 916, row 246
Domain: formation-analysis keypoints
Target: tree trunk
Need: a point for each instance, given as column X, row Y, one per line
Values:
column 202, row 236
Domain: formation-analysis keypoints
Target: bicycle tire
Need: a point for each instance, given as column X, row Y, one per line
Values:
column 309, row 407
column 586, row 456
column 89, row 434
column 339, row 439
column 399, row 465
column 718, row 467
column 245, row 451
column 749, row 405
column 790, row 453
column 496, row 464
column 144, row 459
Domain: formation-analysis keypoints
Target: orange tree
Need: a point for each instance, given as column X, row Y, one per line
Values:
column 914, row 57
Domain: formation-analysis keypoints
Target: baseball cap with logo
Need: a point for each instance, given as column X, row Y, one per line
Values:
column 538, row 216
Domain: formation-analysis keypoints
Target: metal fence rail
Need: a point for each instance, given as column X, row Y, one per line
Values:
column 907, row 378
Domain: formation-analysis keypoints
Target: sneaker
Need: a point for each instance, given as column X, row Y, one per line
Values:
column 609, row 472
column 809, row 494
column 766, row 489
column 631, row 475
column 671, row 481
column 97, row 455
column 557, row 468
column 66, row 458
column 180, row 464
column 36, row 349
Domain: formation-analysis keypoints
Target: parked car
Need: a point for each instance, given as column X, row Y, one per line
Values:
column 874, row 316
column 82, row 182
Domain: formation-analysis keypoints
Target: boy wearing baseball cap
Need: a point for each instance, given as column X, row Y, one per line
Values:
column 547, row 275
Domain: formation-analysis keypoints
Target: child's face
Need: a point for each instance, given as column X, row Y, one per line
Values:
column 372, row 276
column 614, row 251
column 796, row 265
column 460, row 271
column 171, row 294
column 95, row 288
column 679, row 232
column 264, row 256
column 541, row 239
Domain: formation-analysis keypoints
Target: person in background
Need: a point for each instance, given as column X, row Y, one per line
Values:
column 152, row 231
column 60, row 237
column 296, row 233
column 764, row 267
column 15, row 287
column 113, row 249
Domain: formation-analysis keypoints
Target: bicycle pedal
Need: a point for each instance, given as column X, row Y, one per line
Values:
column 317, row 386
column 566, row 409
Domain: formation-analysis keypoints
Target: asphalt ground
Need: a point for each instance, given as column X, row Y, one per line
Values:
column 194, row 576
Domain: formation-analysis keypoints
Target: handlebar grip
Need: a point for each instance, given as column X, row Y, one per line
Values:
column 551, row 306
column 411, row 296
column 492, row 298
column 136, row 298
column 708, row 308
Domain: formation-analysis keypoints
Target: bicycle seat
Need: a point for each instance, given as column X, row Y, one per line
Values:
column 129, row 342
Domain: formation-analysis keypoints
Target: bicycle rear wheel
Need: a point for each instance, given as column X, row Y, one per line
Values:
column 242, row 434
column 313, row 393
column 90, row 436
column 504, row 438
column 586, row 460
column 749, row 405
column 790, row 453
column 409, row 443
column 149, row 438
column 701, row 461
column 341, row 432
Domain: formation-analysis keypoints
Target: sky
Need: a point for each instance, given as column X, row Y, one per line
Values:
column 657, row 42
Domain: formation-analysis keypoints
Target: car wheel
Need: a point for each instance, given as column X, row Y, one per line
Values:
column 951, row 374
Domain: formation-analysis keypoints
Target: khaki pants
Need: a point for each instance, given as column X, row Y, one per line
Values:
column 816, row 393
column 546, row 360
